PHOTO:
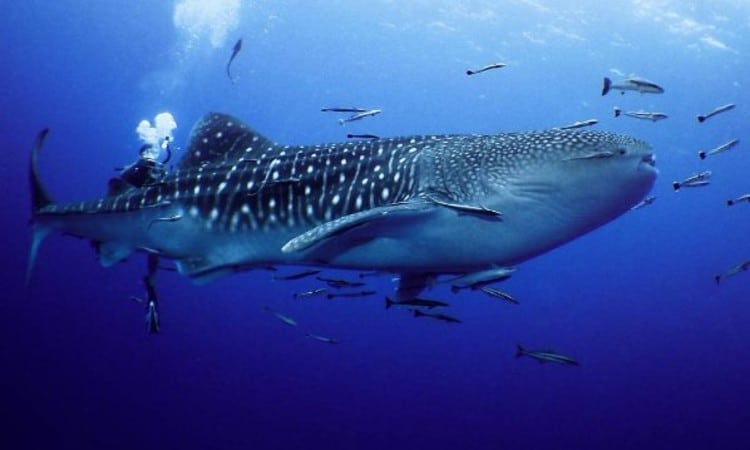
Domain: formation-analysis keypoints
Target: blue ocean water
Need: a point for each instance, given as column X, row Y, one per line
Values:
column 663, row 349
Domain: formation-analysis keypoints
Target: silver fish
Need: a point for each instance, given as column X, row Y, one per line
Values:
column 546, row 356
column 643, row 115
column 579, row 124
column 722, row 148
column 740, row 199
column 486, row 68
column 324, row 339
column 359, row 205
column 282, row 317
column 645, row 202
column 632, row 84
column 500, row 294
column 360, row 116
column 718, row 110
column 437, row 316
column 697, row 180
column 743, row 266
column 310, row 293
column 477, row 280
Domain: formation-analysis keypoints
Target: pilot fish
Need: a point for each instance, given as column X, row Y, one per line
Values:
column 410, row 205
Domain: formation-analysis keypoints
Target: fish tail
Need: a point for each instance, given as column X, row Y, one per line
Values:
column 39, row 199
column 701, row 119
column 730, row 202
column 618, row 111
column 388, row 302
column 702, row 155
column 607, row 86
column 676, row 186
column 717, row 279
column 470, row 72
column 520, row 351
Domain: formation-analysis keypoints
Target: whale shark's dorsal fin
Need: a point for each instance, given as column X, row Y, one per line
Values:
column 220, row 139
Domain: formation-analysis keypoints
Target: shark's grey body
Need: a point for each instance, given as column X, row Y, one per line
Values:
column 414, row 205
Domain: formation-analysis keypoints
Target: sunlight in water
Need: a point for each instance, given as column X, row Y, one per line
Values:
column 211, row 20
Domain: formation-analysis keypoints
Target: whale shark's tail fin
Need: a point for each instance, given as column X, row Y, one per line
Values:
column 607, row 85
column 39, row 199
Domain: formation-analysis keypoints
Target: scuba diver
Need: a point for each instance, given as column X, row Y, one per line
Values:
column 146, row 170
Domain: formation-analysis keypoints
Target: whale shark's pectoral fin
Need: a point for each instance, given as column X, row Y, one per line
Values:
column 110, row 253
column 339, row 227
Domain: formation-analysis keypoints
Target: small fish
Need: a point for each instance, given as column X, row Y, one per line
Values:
column 296, row 276
column 152, row 318
column 310, row 293
column 359, row 116
column 715, row 111
column 645, row 202
column 136, row 299
column 284, row 318
column 351, row 109
column 471, row 209
column 339, row 283
column 734, row 270
column 632, row 84
column 546, row 356
column 437, row 316
column 486, row 68
column 722, row 148
column 362, row 136
column 320, row 338
column 644, row 115
column 477, row 280
column 741, row 198
column 697, row 180
column 350, row 294
column 415, row 302
column 235, row 50
column 500, row 294
column 174, row 218
column 579, row 124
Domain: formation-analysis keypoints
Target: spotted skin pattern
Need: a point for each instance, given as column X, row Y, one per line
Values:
column 233, row 181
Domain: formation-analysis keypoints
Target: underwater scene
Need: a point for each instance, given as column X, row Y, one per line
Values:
column 290, row 224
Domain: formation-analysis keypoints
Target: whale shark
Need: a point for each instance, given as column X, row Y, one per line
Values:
column 417, row 206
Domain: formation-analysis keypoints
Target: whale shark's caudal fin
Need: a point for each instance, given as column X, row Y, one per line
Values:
column 39, row 199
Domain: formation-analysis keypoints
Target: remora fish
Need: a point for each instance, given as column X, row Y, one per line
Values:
column 296, row 276
column 310, row 293
column 320, row 338
column 697, row 180
column 643, row 115
column 579, row 124
column 741, row 198
column 632, row 84
column 718, row 110
column 500, row 294
column 414, row 302
column 437, row 316
column 346, row 109
column 545, row 356
column 645, row 202
column 722, row 148
column 478, row 279
column 359, row 205
column 359, row 116
column 486, row 68
column 282, row 317
column 734, row 270
column 235, row 50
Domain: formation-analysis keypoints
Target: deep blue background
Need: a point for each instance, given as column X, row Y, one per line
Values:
column 663, row 350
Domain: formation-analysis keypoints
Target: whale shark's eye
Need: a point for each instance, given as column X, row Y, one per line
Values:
column 621, row 151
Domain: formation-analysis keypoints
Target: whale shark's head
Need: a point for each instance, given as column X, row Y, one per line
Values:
column 550, row 186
